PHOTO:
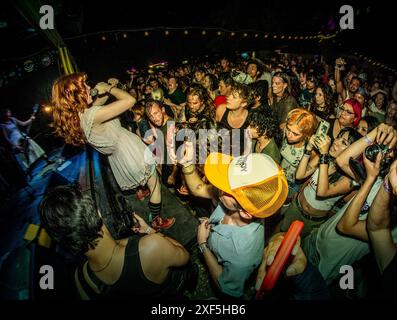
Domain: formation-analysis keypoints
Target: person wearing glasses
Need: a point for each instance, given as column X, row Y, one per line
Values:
column 348, row 115
column 326, row 183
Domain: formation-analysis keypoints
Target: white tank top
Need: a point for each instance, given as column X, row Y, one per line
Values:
column 311, row 197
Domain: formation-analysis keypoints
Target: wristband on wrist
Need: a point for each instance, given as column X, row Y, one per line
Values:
column 324, row 159
column 111, row 89
column 147, row 231
column 368, row 140
column 203, row 246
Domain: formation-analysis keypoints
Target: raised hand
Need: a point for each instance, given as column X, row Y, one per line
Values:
column 102, row 87
column 323, row 143
column 385, row 134
column 311, row 143
column 113, row 82
column 372, row 168
column 141, row 226
column 203, row 231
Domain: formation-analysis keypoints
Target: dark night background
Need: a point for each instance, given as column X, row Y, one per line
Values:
column 82, row 24
column 374, row 22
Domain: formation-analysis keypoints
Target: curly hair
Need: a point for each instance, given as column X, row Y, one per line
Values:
column 264, row 122
column 69, row 97
column 70, row 218
column 329, row 102
column 260, row 89
column 245, row 92
column 202, row 94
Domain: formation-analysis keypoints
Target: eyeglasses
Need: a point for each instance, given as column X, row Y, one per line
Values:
column 347, row 111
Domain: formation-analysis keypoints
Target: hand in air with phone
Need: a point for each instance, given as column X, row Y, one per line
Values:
column 322, row 143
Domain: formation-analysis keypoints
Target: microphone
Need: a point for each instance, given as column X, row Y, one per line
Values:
column 94, row 92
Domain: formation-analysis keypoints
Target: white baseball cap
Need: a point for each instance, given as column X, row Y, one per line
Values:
column 255, row 180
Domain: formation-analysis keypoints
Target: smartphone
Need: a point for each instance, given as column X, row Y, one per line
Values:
column 94, row 92
column 323, row 127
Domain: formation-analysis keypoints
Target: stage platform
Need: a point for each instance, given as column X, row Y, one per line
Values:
column 20, row 259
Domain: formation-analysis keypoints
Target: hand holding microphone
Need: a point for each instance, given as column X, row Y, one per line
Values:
column 103, row 87
column 100, row 88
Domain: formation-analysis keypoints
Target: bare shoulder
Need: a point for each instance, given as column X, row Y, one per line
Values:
column 152, row 243
column 220, row 111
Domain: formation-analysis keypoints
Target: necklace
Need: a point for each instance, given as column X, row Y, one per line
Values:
column 107, row 264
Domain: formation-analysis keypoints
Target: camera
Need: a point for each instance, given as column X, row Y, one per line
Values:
column 371, row 152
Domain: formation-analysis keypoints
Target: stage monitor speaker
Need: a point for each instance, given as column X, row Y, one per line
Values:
column 60, row 176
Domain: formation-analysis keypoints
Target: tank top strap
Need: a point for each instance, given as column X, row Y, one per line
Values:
column 223, row 121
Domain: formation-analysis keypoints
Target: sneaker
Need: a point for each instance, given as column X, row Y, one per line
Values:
column 162, row 223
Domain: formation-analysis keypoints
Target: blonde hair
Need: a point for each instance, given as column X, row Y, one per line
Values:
column 305, row 120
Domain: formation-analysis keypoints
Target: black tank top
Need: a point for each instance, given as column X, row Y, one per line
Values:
column 132, row 282
column 225, row 125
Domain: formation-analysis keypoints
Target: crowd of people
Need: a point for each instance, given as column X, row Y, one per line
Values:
column 306, row 140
